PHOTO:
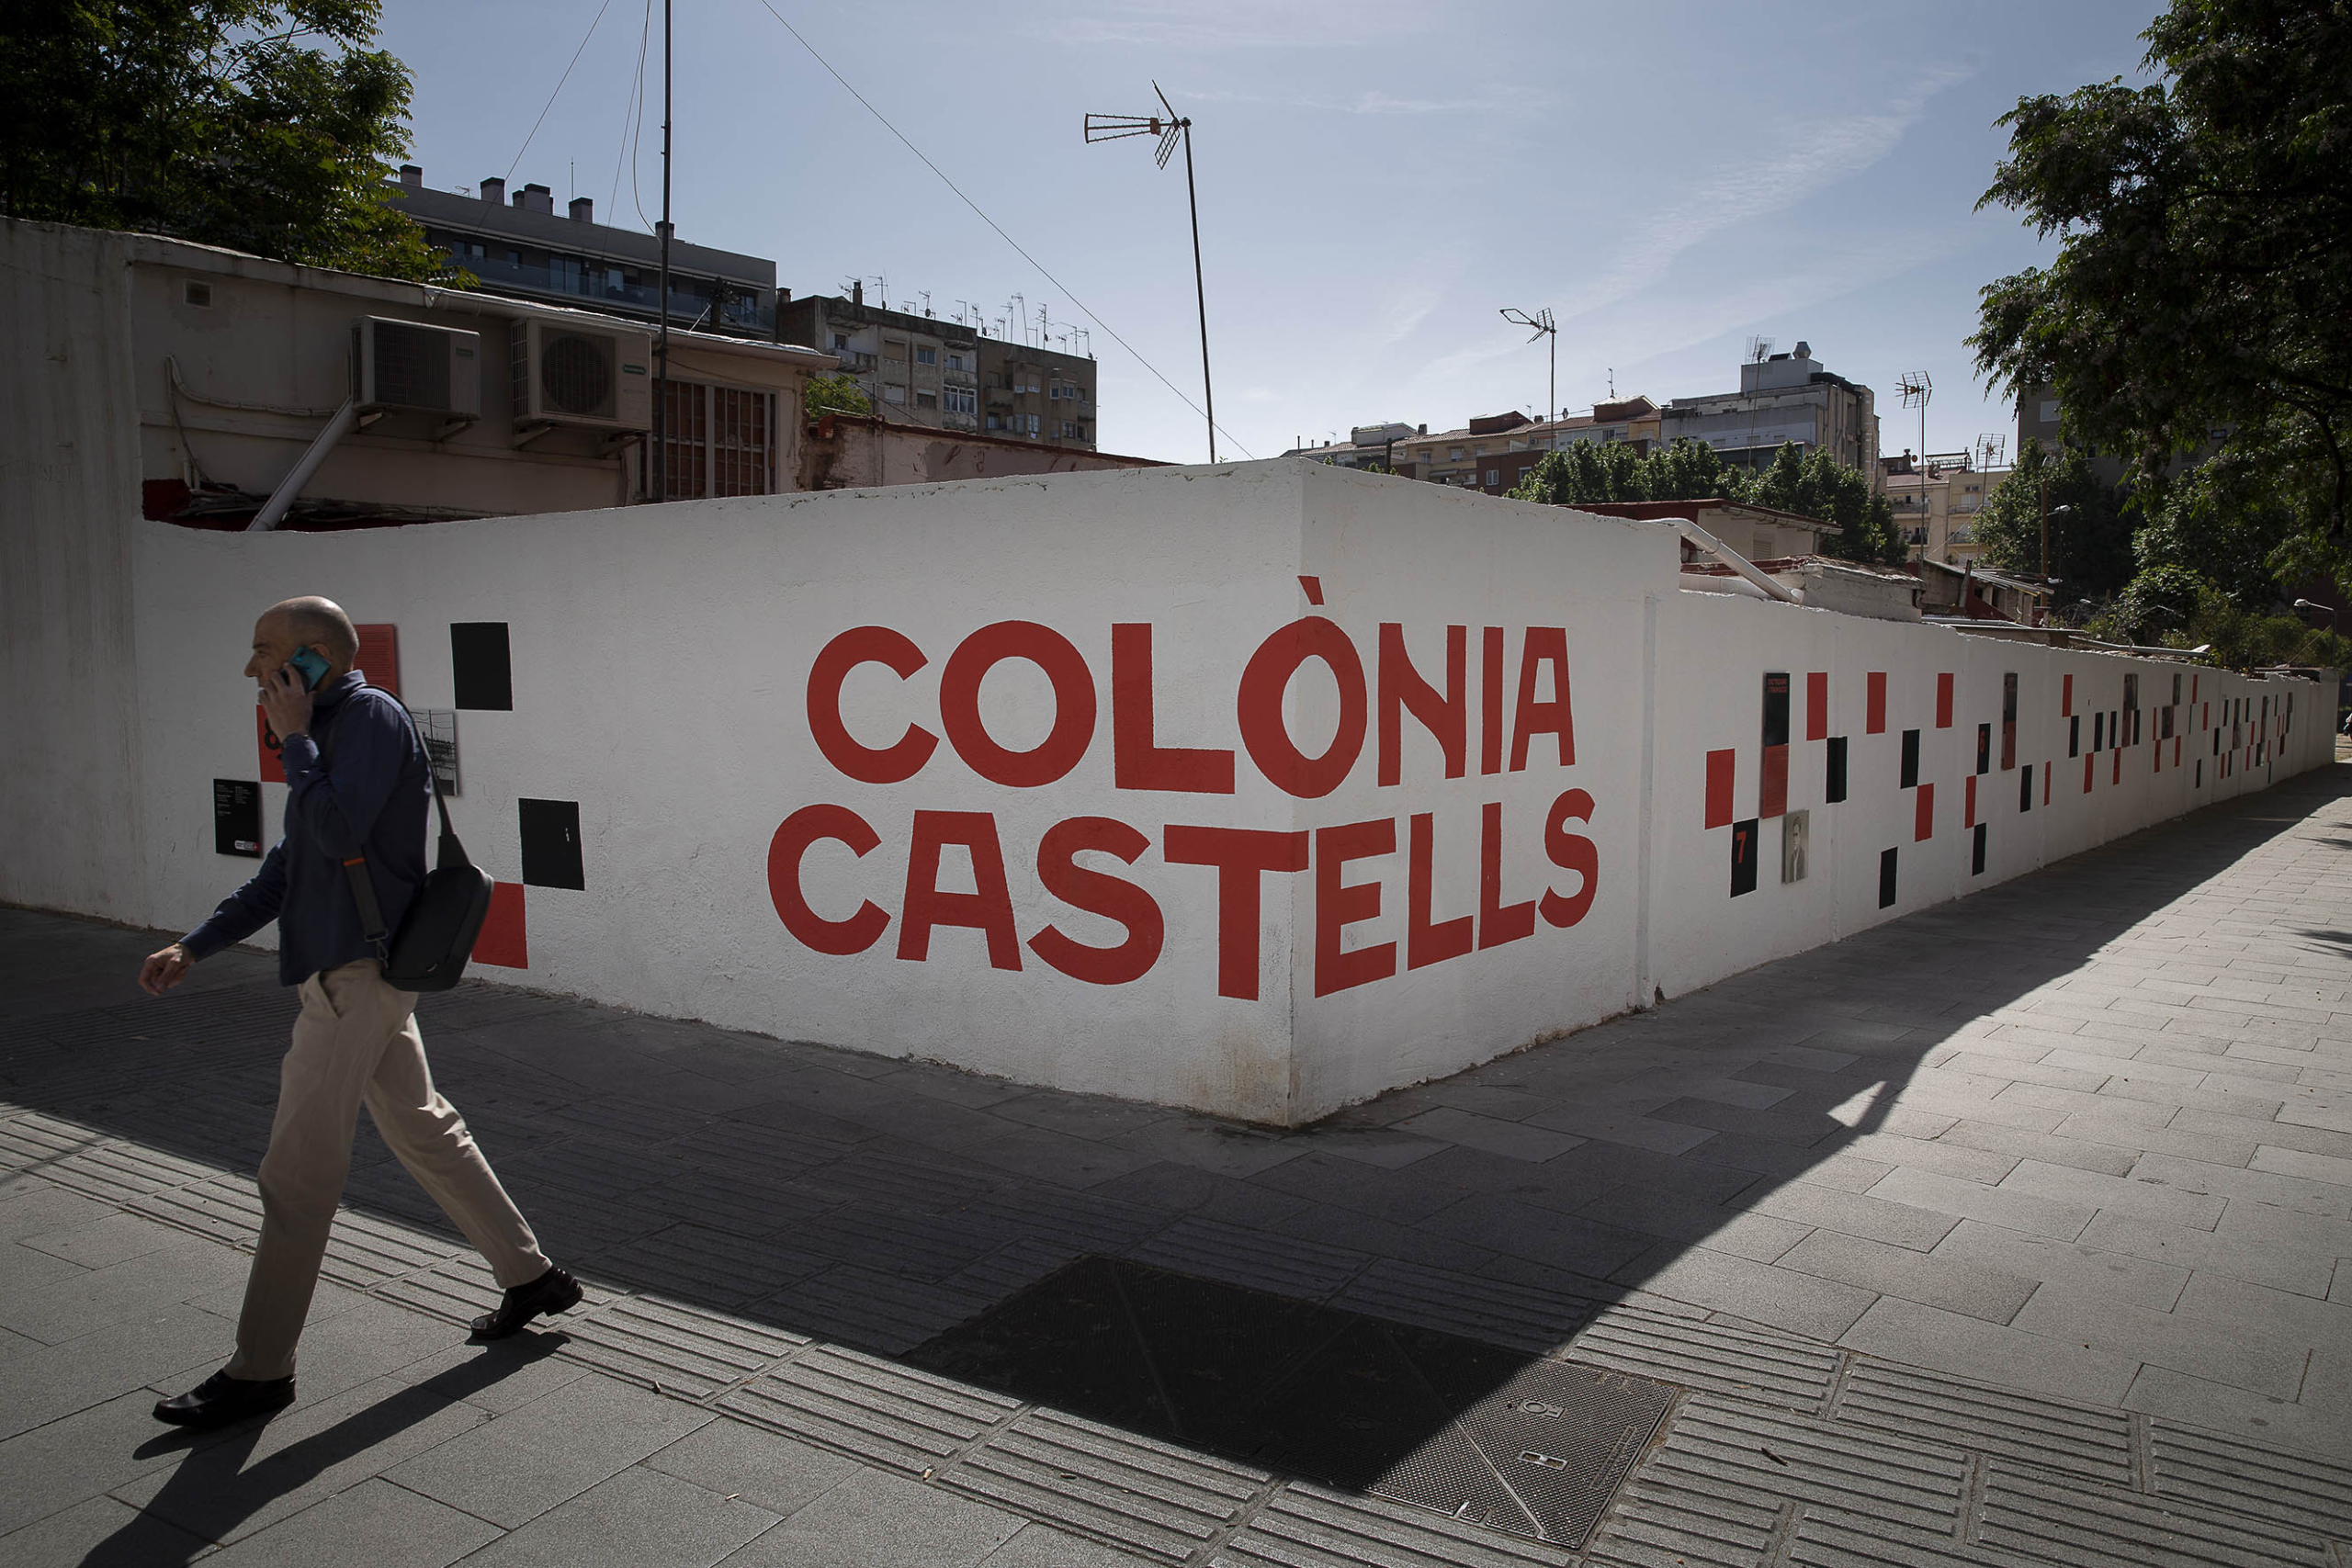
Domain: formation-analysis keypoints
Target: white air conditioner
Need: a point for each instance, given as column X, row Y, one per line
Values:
column 407, row 365
column 582, row 376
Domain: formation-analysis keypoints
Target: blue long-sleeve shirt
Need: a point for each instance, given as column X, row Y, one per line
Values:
column 369, row 793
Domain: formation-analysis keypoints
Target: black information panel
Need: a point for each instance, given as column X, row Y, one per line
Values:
column 1743, row 857
column 1776, row 709
column 2025, row 788
column 1910, row 758
column 551, row 843
column 1886, row 879
column 1977, row 863
column 480, row 669
column 1835, row 790
column 236, row 818
column 1983, row 748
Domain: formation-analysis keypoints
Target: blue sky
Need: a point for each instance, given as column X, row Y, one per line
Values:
column 1377, row 180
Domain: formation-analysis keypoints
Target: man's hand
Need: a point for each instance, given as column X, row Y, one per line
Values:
column 285, row 702
column 165, row 969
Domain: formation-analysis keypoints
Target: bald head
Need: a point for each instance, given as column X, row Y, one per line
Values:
column 314, row 622
column 306, row 621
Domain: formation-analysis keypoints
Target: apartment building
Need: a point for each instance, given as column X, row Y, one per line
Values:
column 917, row 369
column 1031, row 393
column 1935, row 499
column 1783, row 397
column 520, row 249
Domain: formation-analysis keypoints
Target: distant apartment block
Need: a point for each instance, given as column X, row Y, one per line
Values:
column 520, row 249
column 917, row 369
column 1783, row 397
column 1935, row 499
column 1038, row 394
column 1492, row 452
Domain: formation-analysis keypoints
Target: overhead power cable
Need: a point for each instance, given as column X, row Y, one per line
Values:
column 1068, row 292
column 559, row 89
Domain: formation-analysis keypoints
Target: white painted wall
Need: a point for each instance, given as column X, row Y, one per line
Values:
column 662, row 669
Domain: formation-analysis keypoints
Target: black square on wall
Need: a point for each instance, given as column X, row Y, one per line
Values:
column 1910, row 758
column 1835, row 789
column 480, row 667
column 551, row 843
column 1976, row 864
column 1886, row 879
column 1983, row 748
column 2025, row 787
column 2074, row 736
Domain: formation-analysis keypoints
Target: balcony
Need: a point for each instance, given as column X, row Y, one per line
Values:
column 591, row 289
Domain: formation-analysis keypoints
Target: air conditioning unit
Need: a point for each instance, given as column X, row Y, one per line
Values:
column 582, row 376
column 410, row 366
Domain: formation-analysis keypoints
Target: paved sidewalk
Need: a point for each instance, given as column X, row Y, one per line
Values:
column 2019, row 1231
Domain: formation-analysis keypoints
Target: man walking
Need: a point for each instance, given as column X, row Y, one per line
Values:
column 356, row 783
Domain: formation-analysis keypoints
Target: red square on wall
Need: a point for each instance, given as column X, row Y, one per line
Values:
column 2066, row 697
column 1816, row 705
column 1772, row 790
column 503, row 941
column 1924, row 828
column 1943, row 702
column 273, row 764
column 2087, row 759
column 1719, row 777
column 1968, row 814
column 379, row 656
column 1874, row 702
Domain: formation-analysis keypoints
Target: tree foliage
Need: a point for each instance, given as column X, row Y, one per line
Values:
column 267, row 126
column 2202, row 288
column 835, row 394
column 2090, row 541
column 1812, row 484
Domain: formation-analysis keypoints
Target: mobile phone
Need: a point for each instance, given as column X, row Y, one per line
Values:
column 309, row 666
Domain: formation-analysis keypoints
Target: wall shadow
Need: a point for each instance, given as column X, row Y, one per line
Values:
column 888, row 1206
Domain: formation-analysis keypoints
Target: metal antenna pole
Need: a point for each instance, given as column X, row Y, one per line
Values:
column 1544, row 327
column 1199, row 289
column 662, row 351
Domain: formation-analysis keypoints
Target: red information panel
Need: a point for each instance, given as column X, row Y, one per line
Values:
column 1874, row 702
column 1943, row 702
column 503, row 939
column 1924, row 823
column 1816, row 705
column 379, row 656
column 273, row 768
column 1719, row 784
column 1772, row 792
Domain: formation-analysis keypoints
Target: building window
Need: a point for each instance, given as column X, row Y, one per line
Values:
column 894, row 394
column 841, row 342
column 926, row 355
column 958, row 361
column 1032, row 419
column 720, row 441
column 995, row 422
column 1453, row 454
column 926, row 399
column 893, row 350
column 961, row 400
column 1493, row 476
column 1069, row 430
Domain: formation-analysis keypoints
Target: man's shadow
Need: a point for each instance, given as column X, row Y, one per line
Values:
column 212, row 1491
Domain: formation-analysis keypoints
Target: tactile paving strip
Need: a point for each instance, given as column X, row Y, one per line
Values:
column 2042, row 1519
column 674, row 1349
column 1307, row 1527
column 1151, row 1497
column 1747, row 1362
column 2044, row 1432
column 2229, row 1473
column 886, row 1414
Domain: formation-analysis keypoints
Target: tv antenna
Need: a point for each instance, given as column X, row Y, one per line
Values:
column 1542, row 324
column 1168, row 129
column 1917, row 388
column 1759, row 349
column 1992, row 450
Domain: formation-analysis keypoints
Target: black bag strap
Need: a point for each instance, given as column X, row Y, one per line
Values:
column 450, row 852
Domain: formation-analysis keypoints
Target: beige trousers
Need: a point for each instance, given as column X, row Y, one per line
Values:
column 356, row 1042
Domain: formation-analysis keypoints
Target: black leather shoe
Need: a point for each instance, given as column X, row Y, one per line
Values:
column 550, row 1293
column 220, row 1399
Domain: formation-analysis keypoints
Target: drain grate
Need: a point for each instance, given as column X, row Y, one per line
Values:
column 1484, row 1435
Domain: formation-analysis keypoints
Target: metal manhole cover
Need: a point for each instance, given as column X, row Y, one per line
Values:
column 1481, row 1433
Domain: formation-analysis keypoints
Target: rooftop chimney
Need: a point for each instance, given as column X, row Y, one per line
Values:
column 1425, row 430
column 493, row 191
column 411, row 177
column 583, row 209
column 536, row 198
column 857, row 292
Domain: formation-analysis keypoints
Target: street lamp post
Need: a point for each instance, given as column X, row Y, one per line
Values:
column 1541, row 322
column 1168, row 129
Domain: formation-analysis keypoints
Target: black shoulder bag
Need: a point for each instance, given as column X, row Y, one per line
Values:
column 437, row 936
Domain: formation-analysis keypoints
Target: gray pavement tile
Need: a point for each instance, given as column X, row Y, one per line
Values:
column 1284, row 1265
column 2275, row 1422
column 1850, row 1213
column 1725, row 1228
column 1542, row 1236
column 228, row 1489
column 99, row 1532
column 639, row 1516
column 2278, row 1189
column 2120, row 1110
column 2118, row 1258
column 57, row 1379
column 1373, row 1145
column 27, row 1275
column 2143, row 1193
column 2247, row 1355
column 2253, row 1132
column 1229, row 1150
column 40, row 1207
column 2003, row 1070
column 2258, row 1258
column 2111, row 1159
column 774, row 1472
column 2309, row 1317
column 1512, row 1140
column 519, row 1465
column 969, row 1090
column 1041, row 1546
column 1508, row 1100
column 1175, row 1189
column 1369, row 1234
column 1884, row 1270
column 2330, row 1169
column 1639, row 1132
column 81, row 1456
column 1760, row 1292
column 375, row 1523
column 2018, row 1211
column 1928, row 1153
column 504, row 1375
column 2003, row 1356
column 884, row 1522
